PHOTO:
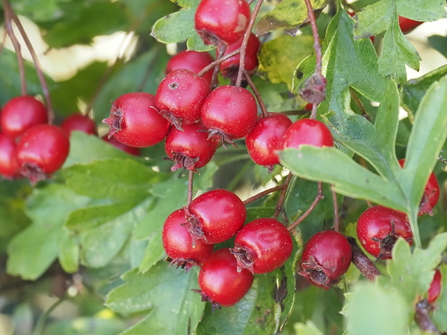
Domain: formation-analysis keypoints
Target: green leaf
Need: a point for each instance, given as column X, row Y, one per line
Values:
column 441, row 303
column 69, row 253
column 308, row 328
column 110, row 179
column 179, row 27
column 422, row 10
column 288, row 14
column 373, row 310
column 165, row 292
column 101, row 244
column 346, row 176
column 38, row 10
column 92, row 325
column 373, row 19
column 278, row 58
column 33, row 250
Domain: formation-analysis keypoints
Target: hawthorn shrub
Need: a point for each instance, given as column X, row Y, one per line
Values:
column 262, row 236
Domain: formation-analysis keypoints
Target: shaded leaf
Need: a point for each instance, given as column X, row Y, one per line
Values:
column 308, row 328
column 69, row 253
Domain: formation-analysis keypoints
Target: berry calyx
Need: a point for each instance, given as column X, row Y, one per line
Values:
column 190, row 149
column 79, row 122
column 326, row 257
column 215, row 216
column 21, row 113
column 42, row 150
column 9, row 167
column 266, row 138
column 178, row 243
column 262, row 246
column 229, row 112
column 191, row 60
column 221, row 22
column 180, row 97
column 378, row 229
column 134, row 120
column 134, row 151
column 307, row 131
column 220, row 282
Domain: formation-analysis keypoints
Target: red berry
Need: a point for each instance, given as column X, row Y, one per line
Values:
column 229, row 112
column 262, row 245
column 179, row 245
column 9, row 167
column 222, row 22
column 135, row 121
column 79, row 122
column 407, row 25
column 378, row 228
column 42, row 150
column 191, row 60
column 190, row 149
column 431, row 193
column 326, row 257
column 266, row 138
column 307, row 131
column 220, row 281
column 230, row 67
column 215, row 216
column 180, row 96
column 21, row 113
column 123, row 147
column 435, row 287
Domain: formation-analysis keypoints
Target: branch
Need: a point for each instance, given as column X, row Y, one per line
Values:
column 319, row 197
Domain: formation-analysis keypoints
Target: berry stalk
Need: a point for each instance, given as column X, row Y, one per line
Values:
column 318, row 198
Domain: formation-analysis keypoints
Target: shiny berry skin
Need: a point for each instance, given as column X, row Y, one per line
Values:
column 178, row 243
column 9, row 167
column 21, row 113
column 180, row 96
column 79, row 122
column 191, row 60
column 229, row 68
column 435, row 287
column 266, row 138
column 307, row 131
column 42, row 150
column 123, row 147
column 407, row 25
column 326, row 257
column 134, row 120
column 215, row 216
column 229, row 112
column 190, row 148
column 220, row 282
column 378, row 228
column 262, row 245
column 431, row 193
column 222, row 22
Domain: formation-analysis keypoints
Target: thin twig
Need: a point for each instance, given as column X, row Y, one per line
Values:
column 257, row 95
column 282, row 196
column 217, row 62
column 16, row 44
column 38, row 330
column 241, row 70
column 221, row 52
column 336, row 218
column 319, row 197
column 317, row 45
column 359, row 103
column 37, row 65
column 190, row 186
column 264, row 193
column 362, row 262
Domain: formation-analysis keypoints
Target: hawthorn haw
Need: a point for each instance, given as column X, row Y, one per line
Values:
column 134, row 121
column 9, row 167
column 191, row 60
column 190, row 148
column 266, row 138
column 215, row 216
column 180, row 97
column 79, row 122
column 42, row 150
column 326, row 257
column 431, row 193
column 222, row 22
column 435, row 287
column 123, row 147
column 229, row 112
column 179, row 245
column 220, row 282
column 262, row 245
column 407, row 25
column 378, row 228
column 21, row 113
column 307, row 131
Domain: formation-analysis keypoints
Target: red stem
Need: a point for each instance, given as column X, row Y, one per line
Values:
column 282, row 196
column 257, row 95
column 217, row 62
column 263, row 193
column 336, row 218
column 245, row 42
column 190, row 186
